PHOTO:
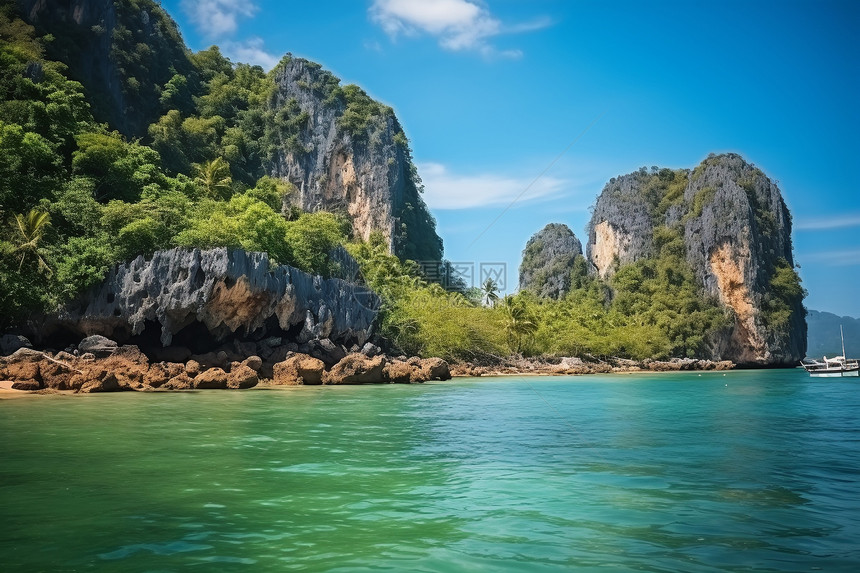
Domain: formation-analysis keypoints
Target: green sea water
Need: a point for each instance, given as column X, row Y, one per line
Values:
column 751, row 471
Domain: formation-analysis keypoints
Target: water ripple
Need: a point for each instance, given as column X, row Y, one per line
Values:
column 649, row 473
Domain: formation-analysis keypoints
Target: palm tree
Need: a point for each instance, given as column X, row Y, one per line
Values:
column 518, row 322
column 491, row 291
column 214, row 178
column 30, row 229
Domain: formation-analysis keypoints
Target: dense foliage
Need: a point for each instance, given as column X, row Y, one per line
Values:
column 77, row 197
column 649, row 310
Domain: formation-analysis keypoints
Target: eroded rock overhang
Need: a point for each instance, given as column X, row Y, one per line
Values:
column 230, row 292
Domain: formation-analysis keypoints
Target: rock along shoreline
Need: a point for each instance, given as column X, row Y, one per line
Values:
column 126, row 368
column 100, row 365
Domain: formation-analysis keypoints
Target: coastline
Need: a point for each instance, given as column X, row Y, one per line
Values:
column 572, row 366
column 126, row 368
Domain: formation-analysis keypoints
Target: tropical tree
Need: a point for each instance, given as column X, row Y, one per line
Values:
column 519, row 323
column 30, row 230
column 490, row 290
column 213, row 178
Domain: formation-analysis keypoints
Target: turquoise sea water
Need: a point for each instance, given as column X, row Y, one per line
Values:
column 752, row 471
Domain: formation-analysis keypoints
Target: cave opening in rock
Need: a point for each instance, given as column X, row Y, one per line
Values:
column 149, row 338
column 197, row 338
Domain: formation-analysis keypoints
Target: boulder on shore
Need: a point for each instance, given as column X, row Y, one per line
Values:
column 241, row 377
column 212, row 379
column 9, row 343
column 398, row 372
column 356, row 368
column 435, row 369
column 299, row 369
column 97, row 345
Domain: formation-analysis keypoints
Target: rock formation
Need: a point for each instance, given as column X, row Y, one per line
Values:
column 129, row 369
column 346, row 153
column 214, row 295
column 737, row 233
column 549, row 259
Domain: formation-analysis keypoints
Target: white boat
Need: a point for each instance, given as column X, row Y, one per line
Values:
column 832, row 367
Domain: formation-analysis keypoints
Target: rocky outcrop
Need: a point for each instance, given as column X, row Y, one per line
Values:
column 356, row 369
column 738, row 238
column 346, row 153
column 9, row 343
column 575, row 366
column 126, row 369
column 548, row 260
column 129, row 369
column 736, row 232
column 299, row 369
column 625, row 215
column 211, row 296
column 122, row 52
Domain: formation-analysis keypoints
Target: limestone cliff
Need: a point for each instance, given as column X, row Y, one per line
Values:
column 347, row 153
column 122, row 51
column 737, row 233
column 551, row 256
column 229, row 292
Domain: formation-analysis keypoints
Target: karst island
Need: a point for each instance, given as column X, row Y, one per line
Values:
column 428, row 285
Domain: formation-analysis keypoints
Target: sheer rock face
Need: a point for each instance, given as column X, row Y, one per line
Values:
column 365, row 173
column 742, row 230
column 621, row 227
column 230, row 292
column 736, row 229
column 548, row 259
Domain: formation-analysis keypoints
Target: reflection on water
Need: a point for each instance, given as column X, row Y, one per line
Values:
column 754, row 471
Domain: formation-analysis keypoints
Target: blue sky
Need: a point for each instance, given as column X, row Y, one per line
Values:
column 496, row 94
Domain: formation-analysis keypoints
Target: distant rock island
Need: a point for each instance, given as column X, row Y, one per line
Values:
column 549, row 259
column 732, row 228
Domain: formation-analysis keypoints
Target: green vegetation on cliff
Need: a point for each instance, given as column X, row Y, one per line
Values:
column 183, row 159
column 192, row 170
column 656, row 312
column 77, row 197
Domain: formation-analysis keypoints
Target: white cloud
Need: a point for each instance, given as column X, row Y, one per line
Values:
column 845, row 258
column 215, row 18
column 250, row 51
column 823, row 223
column 446, row 190
column 459, row 25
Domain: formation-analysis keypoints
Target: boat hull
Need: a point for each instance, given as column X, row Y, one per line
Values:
column 835, row 374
